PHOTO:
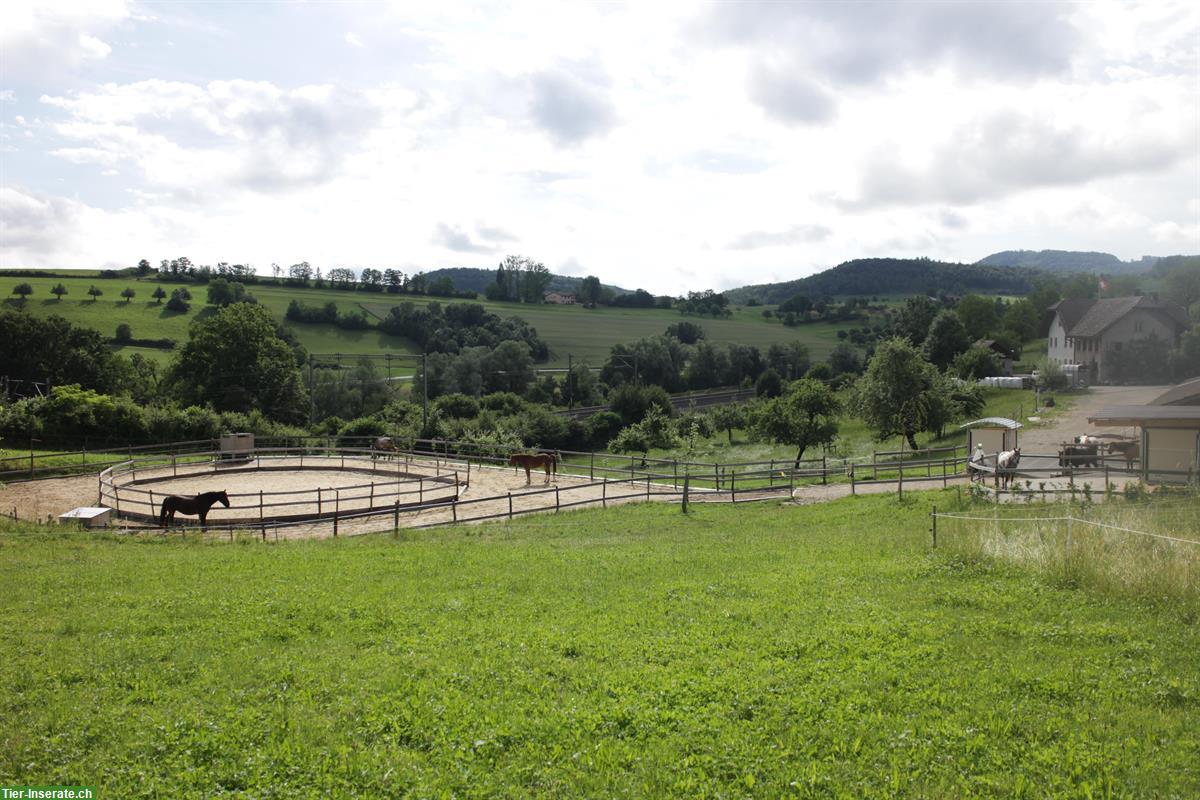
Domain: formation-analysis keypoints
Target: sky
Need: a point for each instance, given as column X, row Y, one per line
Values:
column 668, row 146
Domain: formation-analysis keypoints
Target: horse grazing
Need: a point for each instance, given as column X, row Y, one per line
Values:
column 1006, row 464
column 200, row 504
column 1131, row 450
column 383, row 444
column 546, row 461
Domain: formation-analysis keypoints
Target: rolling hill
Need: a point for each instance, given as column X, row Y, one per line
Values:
column 584, row 334
column 1067, row 261
column 878, row 276
column 473, row 279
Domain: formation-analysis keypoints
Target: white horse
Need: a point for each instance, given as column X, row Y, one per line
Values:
column 1006, row 463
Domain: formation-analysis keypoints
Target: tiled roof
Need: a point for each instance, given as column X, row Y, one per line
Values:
column 1101, row 314
column 1071, row 311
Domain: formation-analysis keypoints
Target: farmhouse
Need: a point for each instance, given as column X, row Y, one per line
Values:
column 1006, row 355
column 1170, row 440
column 1087, row 332
column 560, row 298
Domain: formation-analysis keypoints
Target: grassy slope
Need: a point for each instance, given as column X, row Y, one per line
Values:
column 586, row 335
column 762, row 651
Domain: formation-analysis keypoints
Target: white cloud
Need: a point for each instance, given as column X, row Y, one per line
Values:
column 797, row 234
column 353, row 40
column 228, row 134
column 41, row 39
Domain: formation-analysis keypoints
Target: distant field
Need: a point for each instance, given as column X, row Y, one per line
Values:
column 586, row 335
column 765, row 650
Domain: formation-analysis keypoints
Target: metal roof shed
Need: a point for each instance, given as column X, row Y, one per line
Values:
column 995, row 434
column 1170, row 438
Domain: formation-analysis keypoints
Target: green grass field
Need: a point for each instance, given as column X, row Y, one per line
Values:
column 586, row 335
column 762, row 651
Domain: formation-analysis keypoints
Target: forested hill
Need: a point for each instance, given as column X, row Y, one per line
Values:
column 874, row 276
column 1067, row 261
column 473, row 279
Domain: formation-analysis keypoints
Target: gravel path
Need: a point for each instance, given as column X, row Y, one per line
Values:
column 1074, row 422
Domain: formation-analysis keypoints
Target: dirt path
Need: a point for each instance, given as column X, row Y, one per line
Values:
column 1074, row 422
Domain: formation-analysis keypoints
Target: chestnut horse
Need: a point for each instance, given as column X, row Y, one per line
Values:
column 546, row 461
column 200, row 504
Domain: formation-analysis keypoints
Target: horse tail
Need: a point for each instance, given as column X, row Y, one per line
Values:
column 162, row 514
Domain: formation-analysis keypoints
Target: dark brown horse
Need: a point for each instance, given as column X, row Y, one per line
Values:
column 383, row 445
column 546, row 461
column 200, row 504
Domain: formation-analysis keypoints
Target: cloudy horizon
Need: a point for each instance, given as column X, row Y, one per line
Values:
column 669, row 147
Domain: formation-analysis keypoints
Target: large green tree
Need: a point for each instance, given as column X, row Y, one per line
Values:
column 978, row 315
column 946, row 339
column 893, row 395
column 804, row 417
column 235, row 360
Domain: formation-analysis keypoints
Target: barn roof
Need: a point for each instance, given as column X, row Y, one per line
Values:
column 1185, row 394
column 1158, row 416
column 992, row 422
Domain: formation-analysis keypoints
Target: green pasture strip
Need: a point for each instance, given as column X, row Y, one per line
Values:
column 585, row 334
column 764, row 650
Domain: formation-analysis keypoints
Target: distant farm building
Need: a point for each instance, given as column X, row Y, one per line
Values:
column 1006, row 355
column 1086, row 332
column 559, row 298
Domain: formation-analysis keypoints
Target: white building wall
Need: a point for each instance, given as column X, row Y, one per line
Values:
column 1057, row 348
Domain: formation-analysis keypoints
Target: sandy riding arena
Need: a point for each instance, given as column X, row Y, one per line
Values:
column 300, row 498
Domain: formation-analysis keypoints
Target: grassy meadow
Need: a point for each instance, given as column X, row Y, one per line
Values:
column 584, row 334
column 758, row 651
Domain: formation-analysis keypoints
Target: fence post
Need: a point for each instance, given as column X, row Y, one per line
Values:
column 420, row 490
column 320, row 510
column 933, row 516
column 824, row 471
column 151, row 502
column 675, row 474
column 337, row 508
column 852, row 491
column 396, row 518
column 603, row 493
column 454, row 510
column 686, row 478
column 900, row 485
column 555, row 499
column 647, row 487
column 631, row 467
column 592, row 466
column 1069, row 520
column 510, row 506
column 717, row 477
column 771, row 475
column 943, row 473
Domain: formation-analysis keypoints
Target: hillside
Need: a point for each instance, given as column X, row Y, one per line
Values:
column 584, row 334
column 876, row 276
column 1067, row 261
column 473, row 279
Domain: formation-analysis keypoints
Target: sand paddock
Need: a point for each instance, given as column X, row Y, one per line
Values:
column 322, row 489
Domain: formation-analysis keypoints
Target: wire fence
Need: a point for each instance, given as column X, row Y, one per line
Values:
column 1150, row 549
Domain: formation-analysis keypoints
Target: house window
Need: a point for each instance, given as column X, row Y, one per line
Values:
column 1137, row 326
